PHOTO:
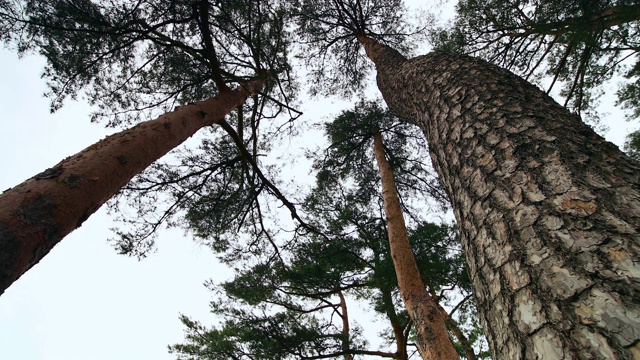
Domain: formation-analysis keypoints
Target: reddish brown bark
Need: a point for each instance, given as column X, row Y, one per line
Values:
column 433, row 338
column 37, row 214
column 398, row 331
column 346, row 343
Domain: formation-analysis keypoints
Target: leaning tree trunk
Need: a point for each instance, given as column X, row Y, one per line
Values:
column 433, row 338
column 548, row 210
column 37, row 214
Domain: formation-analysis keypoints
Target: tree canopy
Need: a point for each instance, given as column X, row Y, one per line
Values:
column 577, row 47
column 484, row 125
column 326, row 30
column 134, row 59
column 299, row 302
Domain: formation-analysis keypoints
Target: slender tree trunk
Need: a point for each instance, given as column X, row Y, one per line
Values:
column 433, row 340
column 346, row 343
column 396, row 325
column 37, row 214
column 390, row 310
column 452, row 325
column 548, row 210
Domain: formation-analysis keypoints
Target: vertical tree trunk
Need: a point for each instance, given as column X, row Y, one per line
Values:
column 389, row 306
column 548, row 210
column 37, row 214
column 346, row 343
column 398, row 331
column 433, row 340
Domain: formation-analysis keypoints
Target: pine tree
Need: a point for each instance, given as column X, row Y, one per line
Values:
column 547, row 209
column 578, row 46
column 298, row 303
column 433, row 338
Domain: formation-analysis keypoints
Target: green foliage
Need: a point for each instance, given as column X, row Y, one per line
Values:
column 212, row 191
column 350, row 156
column 291, row 303
column 276, row 311
column 580, row 45
column 629, row 92
column 439, row 256
column 135, row 59
column 632, row 145
column 328, row 31
column 284, row 335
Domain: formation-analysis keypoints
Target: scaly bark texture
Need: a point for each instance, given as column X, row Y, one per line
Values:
column 433, row 338
column 37, row 214
column 548, row 210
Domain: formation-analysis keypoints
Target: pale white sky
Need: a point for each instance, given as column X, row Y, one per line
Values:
column 83, row 301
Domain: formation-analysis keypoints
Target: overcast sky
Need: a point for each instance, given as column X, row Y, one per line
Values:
column 83, row 301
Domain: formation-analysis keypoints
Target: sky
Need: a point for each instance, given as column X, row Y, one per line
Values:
column 83, row 301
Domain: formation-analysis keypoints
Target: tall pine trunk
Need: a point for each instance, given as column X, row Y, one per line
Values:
column 37, row 214
column 548, row 210
column 346, row 332
column 396, row 325
column 433, row 338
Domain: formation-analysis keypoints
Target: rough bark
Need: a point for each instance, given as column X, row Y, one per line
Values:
column 548, row 210
column 37, row 214
column 433, row 338
column 389, row 306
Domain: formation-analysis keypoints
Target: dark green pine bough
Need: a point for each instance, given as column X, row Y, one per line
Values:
column 299, row 308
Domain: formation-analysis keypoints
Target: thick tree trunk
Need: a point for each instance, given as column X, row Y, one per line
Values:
column 433, row 338
column 37, row 214
column 548, row 210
